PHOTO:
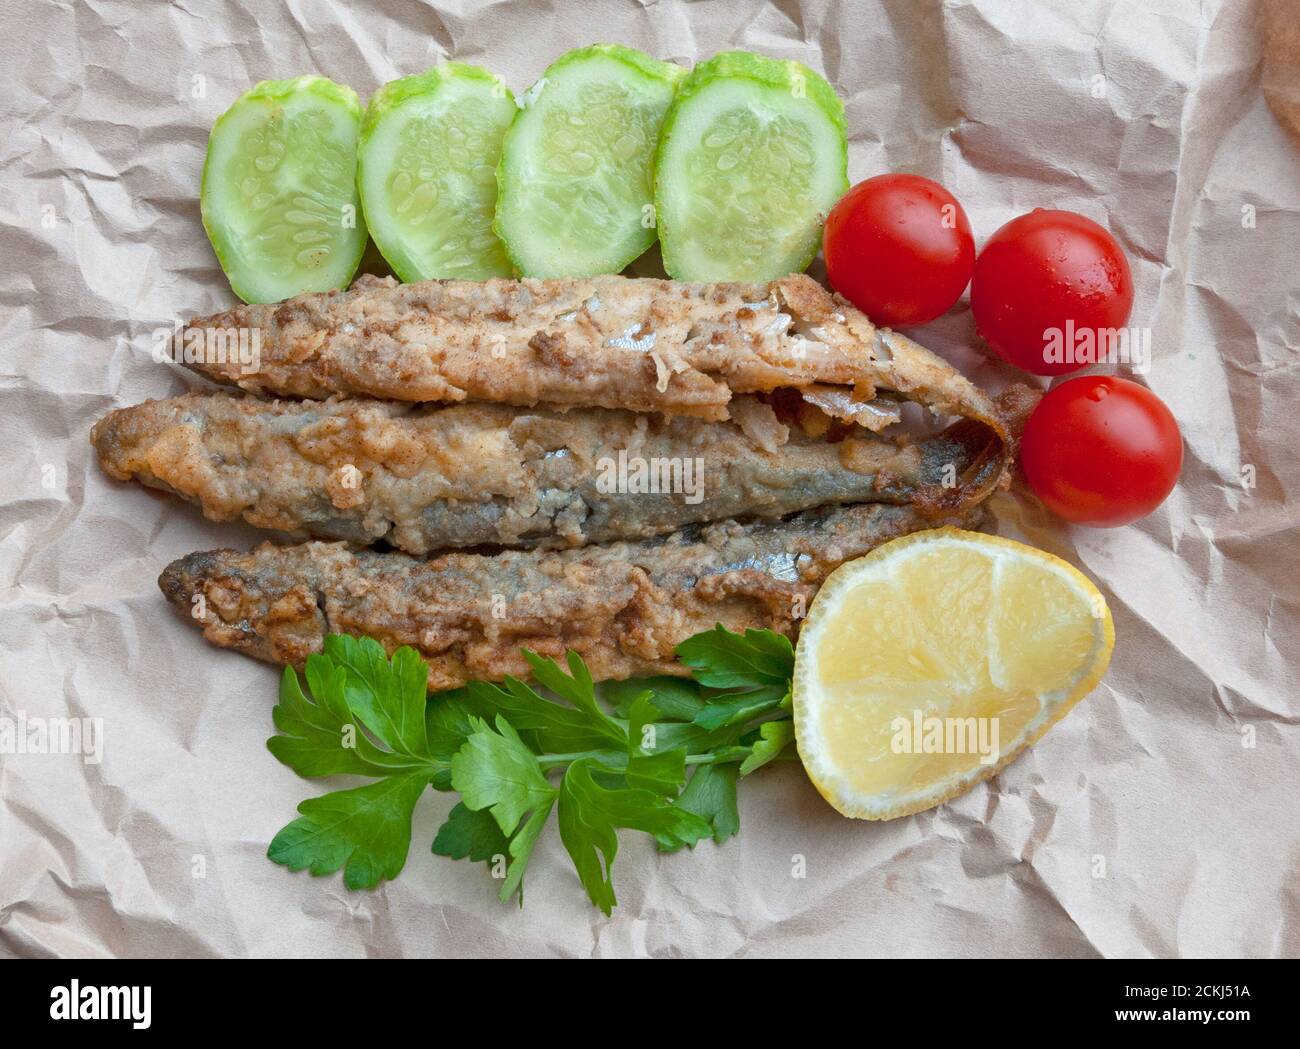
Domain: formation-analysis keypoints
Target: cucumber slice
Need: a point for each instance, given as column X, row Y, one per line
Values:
column 752, row 157
column 427, row 172
column 576, row 177
column 279, row 195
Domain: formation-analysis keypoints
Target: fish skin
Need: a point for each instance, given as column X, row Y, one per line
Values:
column 611, row 342
column 623, row 607
column 428, row 478
column 607, row 343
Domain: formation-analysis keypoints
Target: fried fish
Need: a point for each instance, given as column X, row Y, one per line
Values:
column 621, row 606
column 639, row 344
column 452, row 413
column 424, row 478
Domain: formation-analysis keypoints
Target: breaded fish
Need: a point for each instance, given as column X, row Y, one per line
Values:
column 607, row 342
column 426, row 478
column 622, row 606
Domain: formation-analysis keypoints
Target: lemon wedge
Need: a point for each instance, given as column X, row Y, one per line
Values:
column 932, row 662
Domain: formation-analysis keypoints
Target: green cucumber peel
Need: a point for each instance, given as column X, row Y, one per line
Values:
column 576, row 176
column 426, row 172
column 752, row 156
column 278, row 197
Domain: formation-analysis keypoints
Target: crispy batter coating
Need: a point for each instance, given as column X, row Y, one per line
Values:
column 521, row 386
column 622, row 606
column 424, row 478
column 608, row 342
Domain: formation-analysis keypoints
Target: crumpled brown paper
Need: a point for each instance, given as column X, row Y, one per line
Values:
column 1161, row 818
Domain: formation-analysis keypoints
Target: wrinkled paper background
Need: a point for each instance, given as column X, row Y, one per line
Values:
column 1143, row 825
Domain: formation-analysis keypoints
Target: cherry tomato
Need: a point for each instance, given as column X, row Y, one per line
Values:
column 899, row 248
column 1041, row 281
column 1101, row 451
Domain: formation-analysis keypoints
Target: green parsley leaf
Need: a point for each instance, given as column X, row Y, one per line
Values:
column 711, row 795
column 734, row 708
column 578, row 688
column 357, row 693
column 319, row 741
column 322, row 736
column 365, row 831
column 388, row 696
column 774, row 737
column 448, row 723
column 648, row 766
column 368, row 715
column 721, row 659
column 496, row 770
column 589, row 814
column 476, row 835
column 472, row 834
column 521, row 850
column 676, row 697
column 555, row 729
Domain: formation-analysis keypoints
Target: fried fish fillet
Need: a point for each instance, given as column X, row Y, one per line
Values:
column 425, row 478
column 534, row 377
column 608, row 342
column 621, row 606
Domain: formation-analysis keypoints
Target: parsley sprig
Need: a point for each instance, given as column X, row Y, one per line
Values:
column 659, row 755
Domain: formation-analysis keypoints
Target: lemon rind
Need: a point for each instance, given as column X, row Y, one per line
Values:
column 1055, row 705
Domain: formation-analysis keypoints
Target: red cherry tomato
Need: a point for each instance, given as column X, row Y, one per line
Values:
column 899, row 248
column 1101, row 451
column 1041, row 282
